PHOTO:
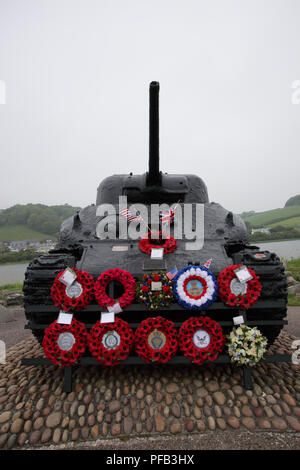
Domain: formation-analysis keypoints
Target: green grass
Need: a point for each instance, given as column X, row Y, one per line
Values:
column 275, row 216
column 293, row 265
column 13, row 287
column 21, row 232
column 293, row 222
column 293, row 301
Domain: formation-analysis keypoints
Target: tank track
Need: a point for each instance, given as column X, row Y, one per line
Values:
column 274, row 287
column 39, row 278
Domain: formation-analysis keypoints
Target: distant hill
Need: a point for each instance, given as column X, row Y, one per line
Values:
column 33, row 221
column 21, row 232
column 287, row 216
column 293, row 201
column 283, row 223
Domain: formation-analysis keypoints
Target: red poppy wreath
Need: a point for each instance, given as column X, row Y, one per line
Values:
column 156, row 340
column 235, row 293
column 201, row 338
column 65, row 345
column 77, row 296
column 110, row 343
column 164, row 240
column 127, row 281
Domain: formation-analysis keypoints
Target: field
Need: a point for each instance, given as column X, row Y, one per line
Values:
column 275, row 217
column 21, row 232
column 293, row 266
column 293, row 222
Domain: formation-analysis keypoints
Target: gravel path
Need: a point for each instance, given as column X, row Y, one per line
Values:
column 225, row 440
column 153, row 401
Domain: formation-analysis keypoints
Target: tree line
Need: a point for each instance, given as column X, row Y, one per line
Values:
column 45, row 219
column 276, row 233
column 293, row 201
column 7, row 256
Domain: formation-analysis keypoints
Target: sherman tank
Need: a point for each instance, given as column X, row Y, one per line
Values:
column 225, row 242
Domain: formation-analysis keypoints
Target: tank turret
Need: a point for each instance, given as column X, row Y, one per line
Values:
column 153, row 186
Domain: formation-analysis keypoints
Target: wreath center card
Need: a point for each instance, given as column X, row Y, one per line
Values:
column 111, row 340
column 201, row 339
column 65, row 341
column 74, row 290
column 237, row 287
column 157, row 339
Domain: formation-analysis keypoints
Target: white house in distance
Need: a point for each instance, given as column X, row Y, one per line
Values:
column 263, row 230
column 22, row 245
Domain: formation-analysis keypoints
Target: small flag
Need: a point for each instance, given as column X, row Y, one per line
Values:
column 166, row 217
column 171, row 274
column 208, row 263
column 131, row 214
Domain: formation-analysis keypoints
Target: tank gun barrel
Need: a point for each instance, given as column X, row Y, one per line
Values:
column 154, row 176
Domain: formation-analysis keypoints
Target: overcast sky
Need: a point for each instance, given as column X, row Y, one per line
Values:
column 77, row 74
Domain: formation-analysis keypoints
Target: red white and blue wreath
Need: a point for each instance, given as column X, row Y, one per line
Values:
column 195, row 287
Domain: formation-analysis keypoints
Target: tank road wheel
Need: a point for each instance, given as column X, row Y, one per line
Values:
column 271, row 274
column 39, row 278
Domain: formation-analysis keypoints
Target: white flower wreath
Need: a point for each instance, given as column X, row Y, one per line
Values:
column 246, row 346
column 195, row 287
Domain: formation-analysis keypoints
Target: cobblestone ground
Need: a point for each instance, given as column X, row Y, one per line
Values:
column 142, row 400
